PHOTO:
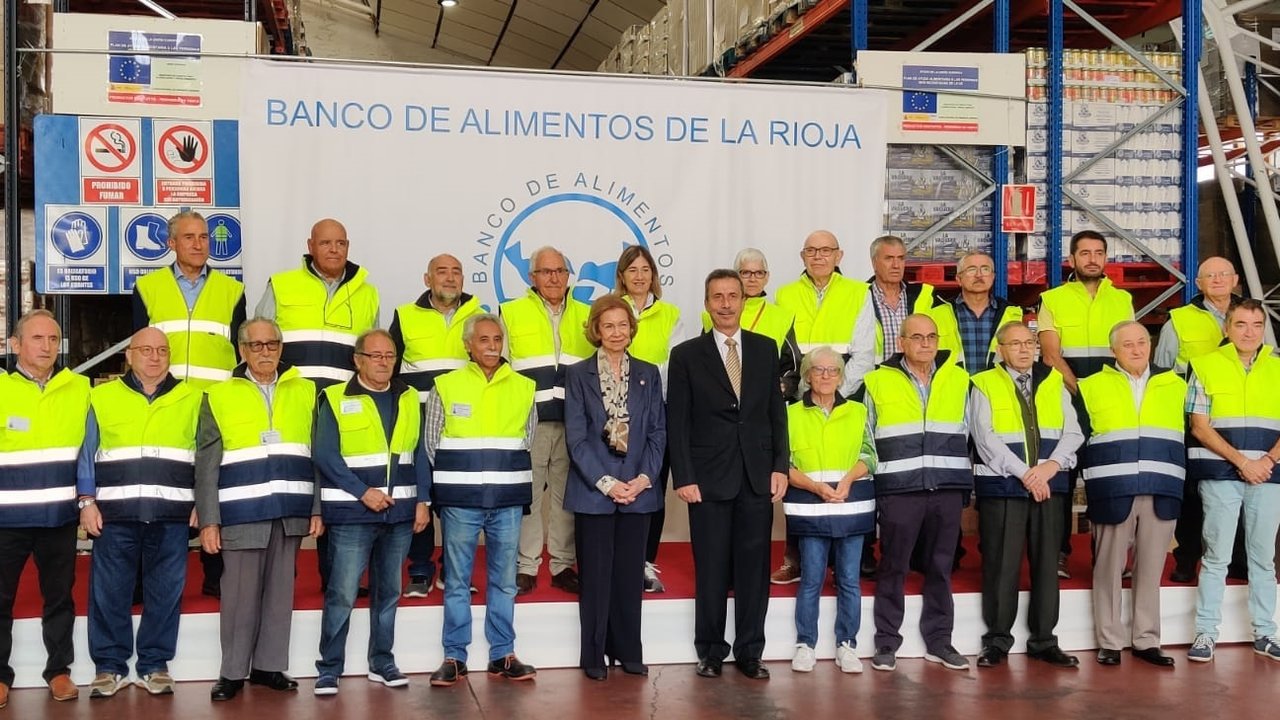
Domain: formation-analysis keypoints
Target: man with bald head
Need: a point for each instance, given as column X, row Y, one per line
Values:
column 428, row 337
column 1193, row 330
column 135, row 480
column 44, row 409
column 322, row 307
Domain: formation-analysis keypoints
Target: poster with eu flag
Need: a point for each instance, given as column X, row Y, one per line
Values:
column 134, row 76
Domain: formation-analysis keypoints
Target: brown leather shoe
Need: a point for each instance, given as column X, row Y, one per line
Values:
column 61, row 688
column 525, row 583
column 4, row 695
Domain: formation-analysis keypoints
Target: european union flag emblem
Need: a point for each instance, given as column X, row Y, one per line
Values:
column 128, row 69
column 919, row 102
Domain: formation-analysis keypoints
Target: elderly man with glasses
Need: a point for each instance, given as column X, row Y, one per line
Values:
column 979, row 312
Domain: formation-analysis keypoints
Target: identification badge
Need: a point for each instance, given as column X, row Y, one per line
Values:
column 270, row 437
column 18, row 424
column 350, row 407
column 461, row 410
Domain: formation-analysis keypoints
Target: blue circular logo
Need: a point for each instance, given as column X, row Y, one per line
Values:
column 76, row 235
column 590, row 230
column 224, row 237
column 147, row 237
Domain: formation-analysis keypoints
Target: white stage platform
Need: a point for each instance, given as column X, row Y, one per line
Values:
column 547, row 634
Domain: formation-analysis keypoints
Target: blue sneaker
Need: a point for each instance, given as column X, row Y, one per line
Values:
column 389, row 676
column 327, row 685
column 1267, row 648
column 1202, row 649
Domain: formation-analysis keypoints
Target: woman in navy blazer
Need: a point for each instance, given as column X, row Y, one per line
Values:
column 616, row 432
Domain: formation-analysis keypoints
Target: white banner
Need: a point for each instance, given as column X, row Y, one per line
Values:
column 490, row 166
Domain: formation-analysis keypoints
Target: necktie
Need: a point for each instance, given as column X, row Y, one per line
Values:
column 1030, row 426
column 1024, row 385
column 733, row 366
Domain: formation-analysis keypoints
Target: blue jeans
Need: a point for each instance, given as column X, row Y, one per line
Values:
column 814, row 552
column 352, row 548
column 160, row 549
column 461, row 530
column 1223, row 500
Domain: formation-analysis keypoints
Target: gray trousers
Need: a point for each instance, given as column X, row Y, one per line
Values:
column 1150, row 537
column 257, row 606
column 550, row 458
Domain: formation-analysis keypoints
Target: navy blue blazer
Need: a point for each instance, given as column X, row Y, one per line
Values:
column 589, row 457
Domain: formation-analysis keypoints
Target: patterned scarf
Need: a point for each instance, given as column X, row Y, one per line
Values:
column 613, row 389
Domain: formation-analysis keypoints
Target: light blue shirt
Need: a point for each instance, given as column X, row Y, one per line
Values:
column 190, row 290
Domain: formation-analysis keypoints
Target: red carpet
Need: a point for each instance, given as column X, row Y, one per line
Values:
column 674, row 559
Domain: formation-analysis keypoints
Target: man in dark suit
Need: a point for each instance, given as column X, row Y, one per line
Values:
column 727, row 430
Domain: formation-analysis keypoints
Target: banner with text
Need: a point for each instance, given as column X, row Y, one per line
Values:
column 490, row 166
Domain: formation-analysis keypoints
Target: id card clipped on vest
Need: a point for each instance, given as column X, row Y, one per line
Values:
column 462, row 410
column 270, row 437
column 18, row 424
column 351, row 407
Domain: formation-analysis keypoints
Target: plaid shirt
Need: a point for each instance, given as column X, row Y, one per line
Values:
column 891, row 319
column 975, row 334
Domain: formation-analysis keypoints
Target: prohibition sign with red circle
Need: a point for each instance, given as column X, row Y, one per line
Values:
column 170, row 137
column 114, row 159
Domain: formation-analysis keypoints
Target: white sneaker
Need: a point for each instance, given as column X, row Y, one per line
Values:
column 847, row 659
column 805, row 659
column 651, row 582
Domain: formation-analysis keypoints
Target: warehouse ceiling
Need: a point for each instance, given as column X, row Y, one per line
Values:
column 556, row 34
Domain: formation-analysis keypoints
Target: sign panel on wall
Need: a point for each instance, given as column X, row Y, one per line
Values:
column 105, row 188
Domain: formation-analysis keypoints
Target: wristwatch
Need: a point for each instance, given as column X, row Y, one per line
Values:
column 84, row 502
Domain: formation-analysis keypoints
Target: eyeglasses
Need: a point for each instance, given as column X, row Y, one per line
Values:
column 1220, row 275
column 552, row 272
column 151, row 350
column 752, row 274
column 819, row 251
column 379, row 357
column 978, row 270
column 825, row 371
column 1021, row 344
column 921, row 339
column 260, row 345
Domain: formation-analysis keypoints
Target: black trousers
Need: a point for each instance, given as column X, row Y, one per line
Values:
column 611, row 572
column 1007, row 527
column 658, row 520
column 933, row 518
column 54, row 551
column 731, row 551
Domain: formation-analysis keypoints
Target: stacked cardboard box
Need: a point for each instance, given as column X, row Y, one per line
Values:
column 923, row 186
column 640, row 61
column 659, row 30
column 677, row 41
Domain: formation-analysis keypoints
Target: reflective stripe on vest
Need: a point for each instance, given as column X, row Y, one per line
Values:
column 997, row 386
column 266, row 471
column 533, row 350
column 920, row 448
column 830, row 323
column 481, row 460
column 1243, row 407
column 826, row 448
column 320, row 332
column 654, row 326
column 1012, row 313
column 387, row 466
column 145, row 464
column 40, row 437
column 200, row 346
column 1083, row 322
column 432, row 347
column 1198, row 331
column 1133, row 452
column 766, row 318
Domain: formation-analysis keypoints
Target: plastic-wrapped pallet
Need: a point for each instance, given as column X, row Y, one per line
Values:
column 698, row 32
column 677, row 47
column 627, row 50
column 751, row 15
column 659, row 28
column 923, row 186
column 724, row 32
column 640, row 62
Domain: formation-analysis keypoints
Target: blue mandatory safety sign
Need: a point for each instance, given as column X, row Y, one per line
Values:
column 147, row 237
column 224, row 236
column 76, row 235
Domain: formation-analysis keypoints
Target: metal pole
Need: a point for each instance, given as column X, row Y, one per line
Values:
column 1000, row 171
column 1237, row 8
column 12, row 209
column 1192, row 38
column 1249, row 195
column 858, row 16
column 1053, row 199
column 961, row 20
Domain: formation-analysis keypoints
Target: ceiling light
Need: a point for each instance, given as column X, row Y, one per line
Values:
column 448, row 3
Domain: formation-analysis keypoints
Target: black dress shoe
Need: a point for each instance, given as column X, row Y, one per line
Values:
column 275, row 680
column 709, row 668
column 1108, row 657
column 596, row 673
column 448, row 673
column 1055, row 656
column 991, row 656
column 225, row 689
column 567, row 580
column 634, row 667
column 1154, row 656
column 753, row 669
column 1183, row 575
